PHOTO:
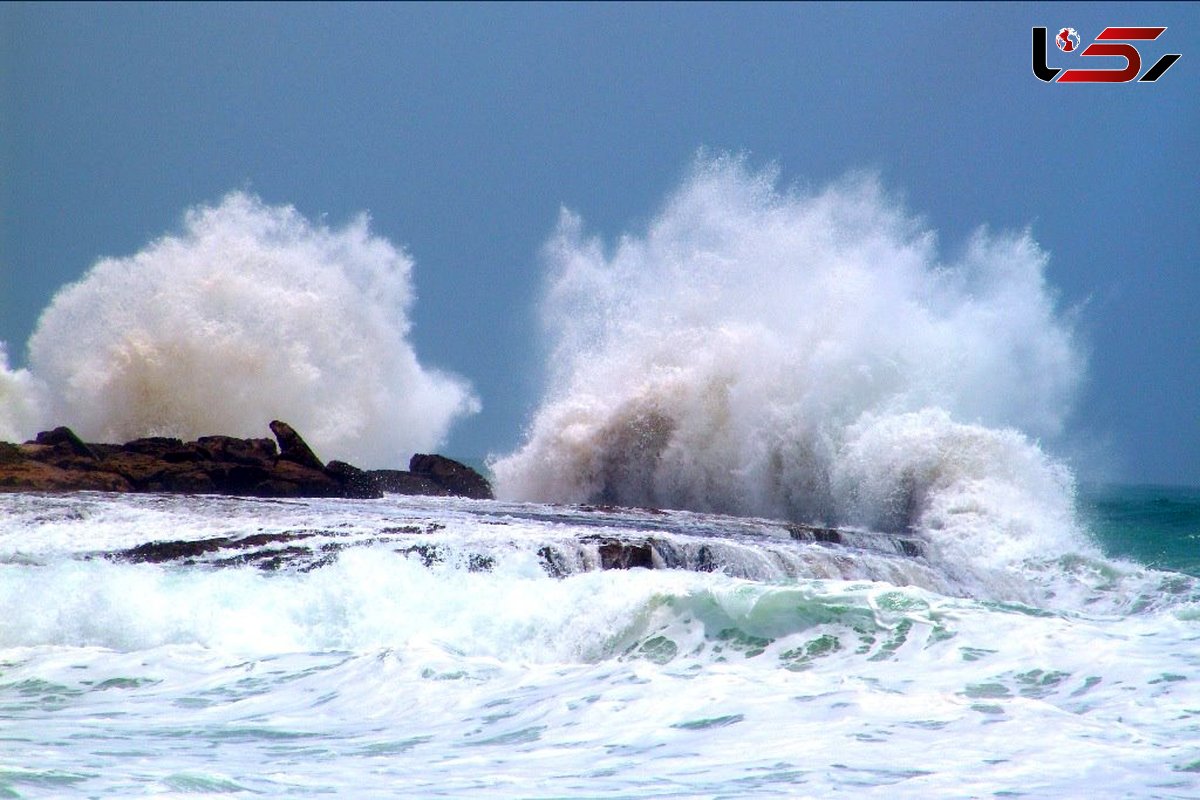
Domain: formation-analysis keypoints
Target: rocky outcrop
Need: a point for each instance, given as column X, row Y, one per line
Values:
column 293, row 448
column 455, row 478
column 399, row 481
column 59, row 461
column 310, row 548
column 433, row 475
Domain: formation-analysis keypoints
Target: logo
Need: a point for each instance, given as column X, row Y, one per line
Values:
column 1067, row 40
column 1113, row 42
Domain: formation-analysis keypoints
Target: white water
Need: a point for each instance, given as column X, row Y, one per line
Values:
column 376, row 676
column 18, row 400
column 810, row 356
column 250, row 313
column 782, row 354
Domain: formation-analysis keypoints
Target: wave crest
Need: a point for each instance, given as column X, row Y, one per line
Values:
column 250, row 313
column 803, row 355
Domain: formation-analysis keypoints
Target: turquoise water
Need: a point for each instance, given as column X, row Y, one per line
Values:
column 1158, row 526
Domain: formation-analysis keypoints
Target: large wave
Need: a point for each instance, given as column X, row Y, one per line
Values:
column 250, row 313
column 802, row 355
column 19, row 406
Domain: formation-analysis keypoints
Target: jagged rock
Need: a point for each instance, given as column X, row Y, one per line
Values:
column 454, row 477
column 293, row 448
column 59, row 461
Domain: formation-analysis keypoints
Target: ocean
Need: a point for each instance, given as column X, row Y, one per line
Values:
column 447, row 648
column 815, row 447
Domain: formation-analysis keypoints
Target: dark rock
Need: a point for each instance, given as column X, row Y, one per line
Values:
column 10, row 454
column 618, row 554
column 156, row 446
column 430, row 554
column 63, row 435
column 241, row 479
column 28, row 475
column 398, row 481
column 814, row 533
column 230, row 449
column 553, row 562
column 354, row 481
column 305, row 481
column 457, row 478
column 140, row 469
column 188, row 453
column 293, row 448
column 59, row 461
column 184, row 480
column 187, row 551
column 103, row 451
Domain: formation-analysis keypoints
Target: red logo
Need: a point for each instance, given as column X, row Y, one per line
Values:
column 1067, row 40
column 1110, row 42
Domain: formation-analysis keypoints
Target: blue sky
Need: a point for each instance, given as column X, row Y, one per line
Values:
column 462, row 130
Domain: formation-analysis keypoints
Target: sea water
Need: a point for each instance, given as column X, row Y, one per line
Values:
column 757, row 358
column 366, row 668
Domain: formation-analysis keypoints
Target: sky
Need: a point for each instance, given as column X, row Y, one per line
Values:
column 462, row 130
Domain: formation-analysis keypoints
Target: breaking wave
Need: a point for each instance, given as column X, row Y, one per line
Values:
column 809, row 356
column 250, row 313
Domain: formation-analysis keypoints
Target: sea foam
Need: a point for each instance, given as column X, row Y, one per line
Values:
column 807, row 355
column 248, row 314
column 19, row 394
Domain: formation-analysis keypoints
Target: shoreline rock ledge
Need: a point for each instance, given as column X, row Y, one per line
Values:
column 59, row 461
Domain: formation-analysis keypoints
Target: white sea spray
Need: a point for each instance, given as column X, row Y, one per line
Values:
column 807, row 355
column 19, row 400
column 249, row 313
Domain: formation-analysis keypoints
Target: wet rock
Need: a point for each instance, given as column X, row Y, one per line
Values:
column 305, row 481
column 230, row 449
column 66, row 437
column 354, row 481
column 28, row 475
column 398, row 481
column 453, row 476
column 293, row 448
column 621, row 554
column 59, row 461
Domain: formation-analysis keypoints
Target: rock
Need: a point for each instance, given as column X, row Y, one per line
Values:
column 139, row 469
column 454, row 477
column 239, row 451
column 304, row 481
column 63, row 435
column 398, row 481
column 156, row 446
column 354, row 481
column 618, row 554
column 294, row 448
column 27, row 475
column 59, row 461
column 10, row 454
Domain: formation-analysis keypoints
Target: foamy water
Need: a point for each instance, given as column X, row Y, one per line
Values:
column 776, row 355
column 805, row 355
column 375, row 674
